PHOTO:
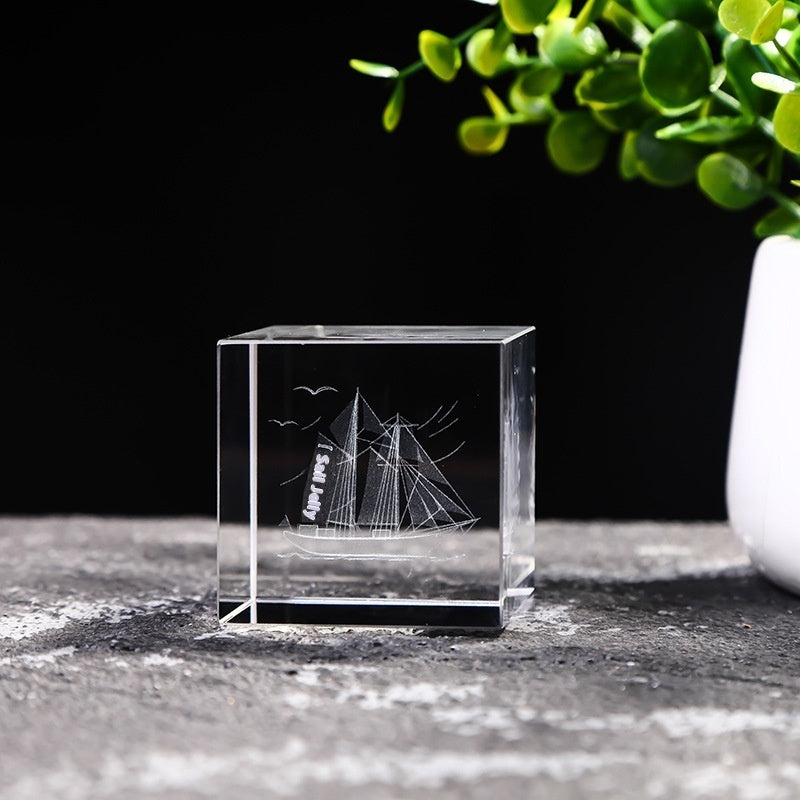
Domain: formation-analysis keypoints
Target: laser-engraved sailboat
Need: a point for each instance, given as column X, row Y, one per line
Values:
column 406, row 503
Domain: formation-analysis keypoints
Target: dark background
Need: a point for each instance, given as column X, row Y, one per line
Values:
column 169, row 179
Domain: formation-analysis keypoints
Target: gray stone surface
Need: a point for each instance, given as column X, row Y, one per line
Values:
column 655, row 663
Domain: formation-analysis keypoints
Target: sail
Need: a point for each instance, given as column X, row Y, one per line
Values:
column 431, row 501
column 427, row 505
column 380, row 505
column 345, row 427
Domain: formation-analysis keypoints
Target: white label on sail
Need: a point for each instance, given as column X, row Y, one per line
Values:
column 315, row 491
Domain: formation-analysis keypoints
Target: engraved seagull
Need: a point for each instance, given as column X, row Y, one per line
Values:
column 283, row 423
column 315, row 391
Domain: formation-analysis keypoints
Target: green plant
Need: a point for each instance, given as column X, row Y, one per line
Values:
column 680, row 90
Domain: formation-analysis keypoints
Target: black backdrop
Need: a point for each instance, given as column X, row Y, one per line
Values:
column 169, row 180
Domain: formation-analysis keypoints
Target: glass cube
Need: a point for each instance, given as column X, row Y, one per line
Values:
column 376, row 476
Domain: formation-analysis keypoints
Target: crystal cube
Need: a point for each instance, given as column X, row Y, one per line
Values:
column 376, row 475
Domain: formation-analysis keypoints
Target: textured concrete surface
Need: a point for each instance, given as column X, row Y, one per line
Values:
column 655, row 663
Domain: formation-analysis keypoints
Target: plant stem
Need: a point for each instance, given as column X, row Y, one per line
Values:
column 456, row 40
column 787, row 57
column 484, row 23
column 627, row 24
column 764, row 124
column 784, row 202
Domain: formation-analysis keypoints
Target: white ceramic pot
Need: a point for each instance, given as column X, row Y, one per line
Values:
column 763, row 470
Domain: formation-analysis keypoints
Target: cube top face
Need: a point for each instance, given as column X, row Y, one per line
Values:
column 383, row 478
column 375, row 333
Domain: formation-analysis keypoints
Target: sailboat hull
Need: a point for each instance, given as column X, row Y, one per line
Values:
column 322, row 543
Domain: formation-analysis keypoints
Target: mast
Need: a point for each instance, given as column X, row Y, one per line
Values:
column 389, row 518
column 380, row 505
column 342, row 514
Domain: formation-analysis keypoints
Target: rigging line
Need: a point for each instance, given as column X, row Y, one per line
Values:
column 453, row 497
column 352, row 487
column 396, row 421
column 386, row 485
column 421, row 450
column 438, row 510
column 382, row 460
column 362, row 438
column 337, row 493
column 353, row 446
column 396, row 485
column 436, row 433
column 407, row 513
column 379, row 439
column 387, row 493
column 426, row 493
column 306, row 427
column 377, row 511
column 431, row 514
column 369, row 447
column 414, row 490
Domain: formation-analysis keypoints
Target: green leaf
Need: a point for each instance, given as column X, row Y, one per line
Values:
column 663, row 162
column 700, row 13
column 769, row 25
column 534, row 109
column 707, row 130
column 675, row 68
column 562, row 9
column 645, row 11
column 592, row 10
column 718, row 76
column 394, row 108
column 751, row 148
column 742, row 61
column 538, row 79
column 569, row 51
column 778, row 221
column 440, row 55
column 787, row 122
column 773, row 171
column 486, row 50
column 627, row 162
column 628, row 117
column 742, row 16
column 729, row 182
column 374, row 70
column 530, row 92
column 609, row 86
column 575, row 143
column 482, row 135
column 628, row 24
column 523, row 16
column 774, row 83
